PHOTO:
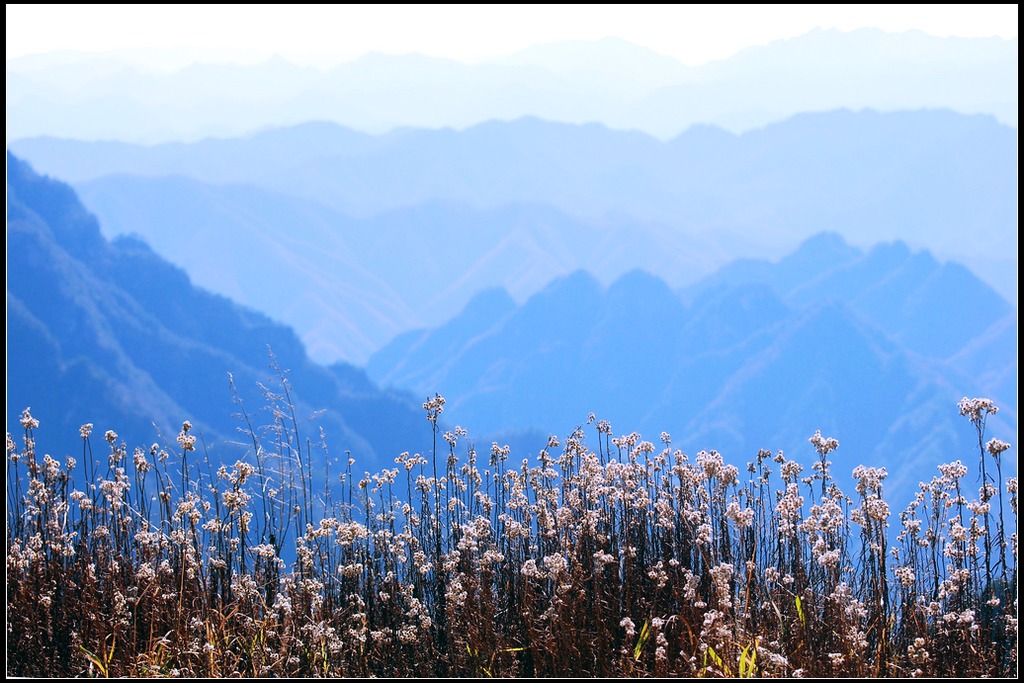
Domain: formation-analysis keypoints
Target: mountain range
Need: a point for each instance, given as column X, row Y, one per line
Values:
column 624, row 86
column 353, row 238
column 815, row 234
column 873, row 347
column 108, row 333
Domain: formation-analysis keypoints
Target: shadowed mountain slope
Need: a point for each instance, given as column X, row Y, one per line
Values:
column 110, row 333
column 351, row 239
column 874, row 348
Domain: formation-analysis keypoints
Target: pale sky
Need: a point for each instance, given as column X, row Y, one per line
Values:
column 327, row 35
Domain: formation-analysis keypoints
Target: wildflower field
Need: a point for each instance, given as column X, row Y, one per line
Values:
column 603, row 556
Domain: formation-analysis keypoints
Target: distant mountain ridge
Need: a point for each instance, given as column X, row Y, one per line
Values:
column 903, row 292
column 352, row 238
column 109, row 333
column 623, row 86
column 748, row 358
column 758, row 355
column 349, row 285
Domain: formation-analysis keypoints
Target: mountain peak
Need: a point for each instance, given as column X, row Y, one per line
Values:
column 825, row 246
column 578, row 282
column 113, row 334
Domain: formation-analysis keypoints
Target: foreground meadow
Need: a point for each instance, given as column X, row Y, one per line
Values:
column 613, row 557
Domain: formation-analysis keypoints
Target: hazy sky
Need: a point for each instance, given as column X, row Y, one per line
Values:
column 331, row 34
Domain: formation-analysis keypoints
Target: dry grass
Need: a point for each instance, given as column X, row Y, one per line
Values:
column 628, row 559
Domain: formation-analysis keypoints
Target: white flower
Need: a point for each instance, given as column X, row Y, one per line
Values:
column 977, row 408
column 27, row 421
column 434, row 407
column 995, row 447
column 822, row 445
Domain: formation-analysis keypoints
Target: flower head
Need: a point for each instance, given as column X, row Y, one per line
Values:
column 27, row 421
column 996, row 447
column 434, row 407
column 977, row 408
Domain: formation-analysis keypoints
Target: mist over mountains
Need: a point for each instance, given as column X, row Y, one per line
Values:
column 758, row 355
column 871, row 346
column 352, row 238
column 610, row 81
column 111, row 334
column 820, row 233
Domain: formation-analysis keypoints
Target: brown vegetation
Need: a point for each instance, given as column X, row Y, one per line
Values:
column 630, row 559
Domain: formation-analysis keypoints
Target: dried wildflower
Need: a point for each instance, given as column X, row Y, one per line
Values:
column 530, row 569
column 27, row 421
column 976, row 409
column 186, row 440
column 822, row 445
column 996, row 447
column 953, row 471
column 434, row 407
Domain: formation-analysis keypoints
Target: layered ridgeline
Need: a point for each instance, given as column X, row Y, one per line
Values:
column 109, row 333
column 351, row 238
column 110, row 96
column 872, row 347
